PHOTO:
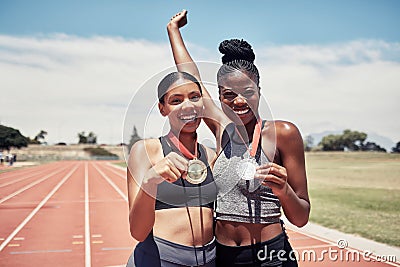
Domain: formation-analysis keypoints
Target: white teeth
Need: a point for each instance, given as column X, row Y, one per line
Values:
column 242, row 111
column 188, row 118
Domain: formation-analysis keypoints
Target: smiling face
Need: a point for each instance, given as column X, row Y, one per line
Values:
column 239, row 96
column 183, row 104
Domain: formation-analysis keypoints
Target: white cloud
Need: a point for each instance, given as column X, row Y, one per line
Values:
column 66, row 84
column 354, row 85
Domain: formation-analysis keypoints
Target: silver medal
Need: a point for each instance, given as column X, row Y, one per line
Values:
column 247, row 168
column 197, row 171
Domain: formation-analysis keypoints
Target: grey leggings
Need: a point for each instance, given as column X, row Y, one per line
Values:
column 158, row 252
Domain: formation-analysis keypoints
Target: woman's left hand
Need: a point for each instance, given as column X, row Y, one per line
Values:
column 273, row 176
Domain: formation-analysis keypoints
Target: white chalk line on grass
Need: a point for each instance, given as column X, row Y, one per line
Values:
column 41, row 204
column 30, row 186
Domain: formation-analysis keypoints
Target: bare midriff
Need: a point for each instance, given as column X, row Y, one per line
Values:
column 174, row 225
column 242, row 234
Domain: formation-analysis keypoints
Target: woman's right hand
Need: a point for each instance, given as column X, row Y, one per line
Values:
column 170, row 169
column 178, row 20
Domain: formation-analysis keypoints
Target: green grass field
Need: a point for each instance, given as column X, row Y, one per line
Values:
column 357, row 193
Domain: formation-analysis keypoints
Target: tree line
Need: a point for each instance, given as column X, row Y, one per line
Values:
column 12, row 138
column 347, row 141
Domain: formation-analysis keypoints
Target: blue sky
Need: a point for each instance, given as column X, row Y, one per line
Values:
column 72, row 66
column 280, row 22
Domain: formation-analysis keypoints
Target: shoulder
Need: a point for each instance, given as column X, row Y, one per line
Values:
column 286, row 129
column 284, row 134
column 289, row 142
column 280, row 129
column 146, row 149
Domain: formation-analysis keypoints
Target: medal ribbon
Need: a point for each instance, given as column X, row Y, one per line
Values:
column 178, row 144
column 256, row 138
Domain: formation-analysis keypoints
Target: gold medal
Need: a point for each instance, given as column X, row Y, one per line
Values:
column 197, row 171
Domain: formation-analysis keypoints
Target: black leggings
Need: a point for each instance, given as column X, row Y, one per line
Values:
column 273, row 252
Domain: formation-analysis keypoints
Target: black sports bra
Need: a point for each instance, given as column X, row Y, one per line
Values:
column 181, row 193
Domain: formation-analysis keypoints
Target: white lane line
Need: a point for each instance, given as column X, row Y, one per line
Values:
column 116, row 166
column 20, row 179
column 117, row 173
column 29, row 186
column 40, row 251
column 41, row 204
column 87, row 225
column 111, row 183
column 24, row 171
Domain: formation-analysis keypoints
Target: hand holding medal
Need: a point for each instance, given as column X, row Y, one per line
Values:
column 273, row 176
column 196, row 169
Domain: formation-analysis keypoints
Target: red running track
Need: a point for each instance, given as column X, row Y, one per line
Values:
column 76, row 214
column 64, row 214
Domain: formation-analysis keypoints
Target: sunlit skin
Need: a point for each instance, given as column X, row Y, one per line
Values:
column 147, row 167
column 286, row 175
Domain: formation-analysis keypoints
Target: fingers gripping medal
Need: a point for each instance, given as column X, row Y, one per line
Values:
column 197, row 170
column 247, row 166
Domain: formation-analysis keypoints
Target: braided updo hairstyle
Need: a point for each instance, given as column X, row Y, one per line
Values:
column 238, row 55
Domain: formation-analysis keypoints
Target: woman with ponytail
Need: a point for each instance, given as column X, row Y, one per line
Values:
column 170, row 184
column 260, row 166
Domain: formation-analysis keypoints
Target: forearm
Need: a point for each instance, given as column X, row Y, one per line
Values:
column 212, row 114
column 296, row 209
column 182, row 58
column 142, row 213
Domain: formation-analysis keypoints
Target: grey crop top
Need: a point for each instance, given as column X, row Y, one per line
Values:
column 235, row 202
column 182, row 193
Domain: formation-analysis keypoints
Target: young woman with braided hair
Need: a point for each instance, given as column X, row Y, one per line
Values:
column 248, row 225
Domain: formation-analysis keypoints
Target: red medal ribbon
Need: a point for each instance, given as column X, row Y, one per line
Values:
column 256, row 138
column 178, row 144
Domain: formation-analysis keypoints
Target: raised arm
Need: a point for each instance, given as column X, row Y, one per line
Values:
column 215, row 119
column 182, row 58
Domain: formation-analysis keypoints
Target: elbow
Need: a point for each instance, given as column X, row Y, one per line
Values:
column 138, row 232
column 300, row 219
column 138, row 235
column 303, row 220
column 301, row 223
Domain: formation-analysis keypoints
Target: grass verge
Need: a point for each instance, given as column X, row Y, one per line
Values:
column 357, row 193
